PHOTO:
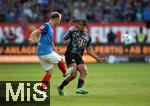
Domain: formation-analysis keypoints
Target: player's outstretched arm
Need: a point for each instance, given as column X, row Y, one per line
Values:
column 92, row 54
column 34, row 36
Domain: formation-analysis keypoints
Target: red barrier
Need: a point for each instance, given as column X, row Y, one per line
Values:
column 96, row 30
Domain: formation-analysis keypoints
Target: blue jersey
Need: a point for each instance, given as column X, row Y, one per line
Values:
column 45, row 40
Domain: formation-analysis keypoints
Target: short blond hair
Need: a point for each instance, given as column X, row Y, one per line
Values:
column 55, row 15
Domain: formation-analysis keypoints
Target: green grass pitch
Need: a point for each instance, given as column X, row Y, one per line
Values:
column 121, row 84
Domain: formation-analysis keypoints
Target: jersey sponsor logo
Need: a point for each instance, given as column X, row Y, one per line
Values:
column 73, row 60
column 42, row 27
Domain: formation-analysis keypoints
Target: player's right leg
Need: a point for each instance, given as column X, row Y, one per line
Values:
column 66, row 82
column 55, row 58
column 83, row 74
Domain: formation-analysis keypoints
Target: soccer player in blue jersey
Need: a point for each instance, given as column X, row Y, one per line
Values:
column 46, row 49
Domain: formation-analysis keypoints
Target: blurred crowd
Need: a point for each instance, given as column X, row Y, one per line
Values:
column 92, row 10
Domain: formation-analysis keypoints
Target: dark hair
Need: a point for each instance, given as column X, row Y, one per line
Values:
column 55, row 15
column 82, row 21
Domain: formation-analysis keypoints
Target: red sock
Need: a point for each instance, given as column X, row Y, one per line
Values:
column 62, row 67
column 45, row 81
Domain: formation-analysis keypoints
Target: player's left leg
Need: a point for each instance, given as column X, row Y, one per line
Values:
column 48, row 73
column 45, row 81
column 83, row 74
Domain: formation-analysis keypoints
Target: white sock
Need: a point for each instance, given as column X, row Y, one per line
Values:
column 70, row 69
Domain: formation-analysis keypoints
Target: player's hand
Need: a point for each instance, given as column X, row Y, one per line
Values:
column 101, row 59
column 64, row 42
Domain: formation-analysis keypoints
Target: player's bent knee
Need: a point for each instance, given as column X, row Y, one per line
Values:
column 85, row 73
column 73, row 75
column 74, row 66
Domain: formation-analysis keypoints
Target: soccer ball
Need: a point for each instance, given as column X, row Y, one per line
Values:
column 126, row 39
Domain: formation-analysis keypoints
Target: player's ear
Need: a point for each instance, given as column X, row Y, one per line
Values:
column 60, row 16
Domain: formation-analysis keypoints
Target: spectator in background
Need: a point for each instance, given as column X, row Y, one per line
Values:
column 90, row 15
column 138, row 9
column 146, row 12
column 2, row 16
column 146, row 16
column 130, row 13
column 79, row 10
column 27, row 10
column 111, row 36
column 141, row 37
